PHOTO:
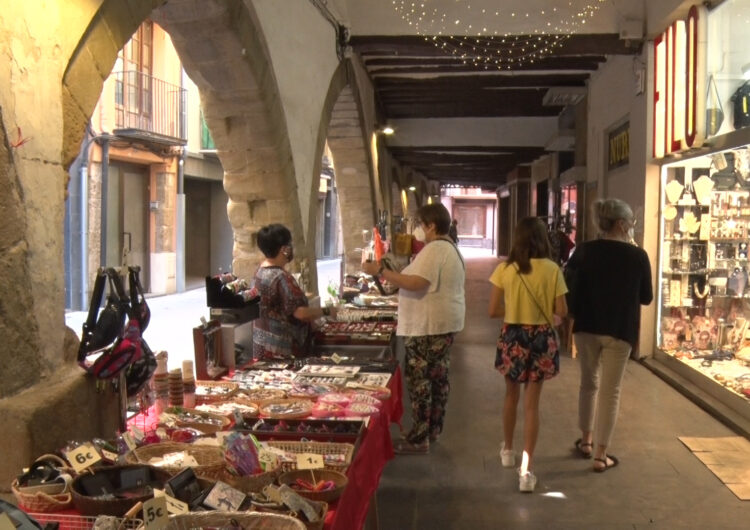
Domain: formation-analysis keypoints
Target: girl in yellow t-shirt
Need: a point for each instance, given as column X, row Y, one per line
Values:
column 528, row 292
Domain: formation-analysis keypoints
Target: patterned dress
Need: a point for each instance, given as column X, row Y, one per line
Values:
column 276, row 333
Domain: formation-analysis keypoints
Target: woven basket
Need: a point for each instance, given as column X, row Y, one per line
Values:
column 210, row 459
column 304, row 412
column 229, row 390
column 44, row 500
column 322, row 508
column 259, row 395
column 244, row 520
column 313, row 475
column 222, row 422
column 252, row 483
column 110, row 505
column 318, row 448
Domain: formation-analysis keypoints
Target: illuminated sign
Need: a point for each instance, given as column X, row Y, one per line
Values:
column 619, row 146
column 680, row 85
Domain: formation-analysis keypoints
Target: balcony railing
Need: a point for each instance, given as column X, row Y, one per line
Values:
column 146, row 104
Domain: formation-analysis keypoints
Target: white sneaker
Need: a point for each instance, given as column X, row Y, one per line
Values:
column 507, row 457
column 527, row 482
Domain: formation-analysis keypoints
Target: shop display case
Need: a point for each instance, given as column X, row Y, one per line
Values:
column 704, row 295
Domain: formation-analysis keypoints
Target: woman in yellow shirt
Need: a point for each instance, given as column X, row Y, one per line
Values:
column 528, row 292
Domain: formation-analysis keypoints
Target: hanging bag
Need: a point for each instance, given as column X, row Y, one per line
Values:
column 714, row 109
column 741, row 106
column 107, row 325
column 127, row 347
column 139, row 371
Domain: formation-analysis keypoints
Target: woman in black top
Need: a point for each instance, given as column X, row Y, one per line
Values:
column 612, row 279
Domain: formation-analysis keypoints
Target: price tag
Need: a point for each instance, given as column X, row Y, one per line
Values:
column 6, row 523
column 155, row 513
column 83, row 456
column 129, row 441
column 268, row 460
column 137, row 433
column 109, row 455
column 309, row 461
column 174, row 506
column 336, row 358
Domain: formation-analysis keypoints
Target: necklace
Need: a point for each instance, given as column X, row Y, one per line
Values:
column 698, row 293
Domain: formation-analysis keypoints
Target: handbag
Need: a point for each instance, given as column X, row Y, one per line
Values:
column 741, row 105
column 127, row 347
column 539, row 306
column 107, row 325
column 714, row 109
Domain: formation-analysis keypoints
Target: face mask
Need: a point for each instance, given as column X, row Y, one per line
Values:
column 631, row 233
column 419, row 234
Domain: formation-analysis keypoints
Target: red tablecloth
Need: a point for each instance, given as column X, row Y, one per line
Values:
column 375, row 449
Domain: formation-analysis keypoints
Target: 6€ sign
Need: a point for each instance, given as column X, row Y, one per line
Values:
column 155, row 513
column 83, row 456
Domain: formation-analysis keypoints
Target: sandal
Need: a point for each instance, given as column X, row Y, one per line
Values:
column 606, row 466
column 403, row 447
column 581, row 448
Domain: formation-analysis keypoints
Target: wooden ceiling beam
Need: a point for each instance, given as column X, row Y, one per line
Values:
column 570, row 45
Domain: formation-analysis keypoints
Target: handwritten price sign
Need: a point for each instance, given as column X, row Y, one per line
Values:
column 309, row 461
column 83, row 456
column 155, row 513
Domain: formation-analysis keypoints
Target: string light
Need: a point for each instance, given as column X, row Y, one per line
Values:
column 491, row 48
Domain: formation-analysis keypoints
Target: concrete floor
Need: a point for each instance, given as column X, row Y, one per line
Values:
column 461, row 484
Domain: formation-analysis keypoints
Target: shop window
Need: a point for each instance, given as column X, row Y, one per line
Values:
column 704, row 298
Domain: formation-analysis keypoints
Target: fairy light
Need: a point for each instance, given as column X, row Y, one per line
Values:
column 486, row 47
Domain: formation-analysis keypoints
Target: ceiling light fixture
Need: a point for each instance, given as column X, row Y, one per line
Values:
column 412, row 188
column 387, row 130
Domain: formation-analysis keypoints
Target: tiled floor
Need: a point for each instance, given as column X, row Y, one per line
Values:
column 659, row 483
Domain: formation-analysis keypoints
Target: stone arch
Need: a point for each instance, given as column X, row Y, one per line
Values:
column 22, row 368
column 352, row 164
column 223, row 50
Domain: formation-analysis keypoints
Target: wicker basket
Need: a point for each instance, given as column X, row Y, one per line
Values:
column 50, row 498
column 210, row 459
column 111, row 505
column 217, row 391
column 321, row 507
column 252, row 483
column 259, row 395
column 313, row 475
column 318, row 448
column 304, row 410
column 220, row 422
column 245, row 520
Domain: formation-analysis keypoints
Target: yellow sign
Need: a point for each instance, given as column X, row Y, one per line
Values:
column 155, row 513
column 174, row 506
column 83, row 456
column 309, row 461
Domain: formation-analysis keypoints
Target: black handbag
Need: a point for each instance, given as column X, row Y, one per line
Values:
column 100, row 330
column 741, row 106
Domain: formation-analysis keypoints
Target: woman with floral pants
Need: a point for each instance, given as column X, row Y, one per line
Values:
column 431, row 309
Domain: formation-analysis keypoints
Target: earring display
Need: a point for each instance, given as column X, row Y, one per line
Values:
column 705, row 273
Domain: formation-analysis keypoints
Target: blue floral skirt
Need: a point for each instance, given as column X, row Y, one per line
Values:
column 527, row 352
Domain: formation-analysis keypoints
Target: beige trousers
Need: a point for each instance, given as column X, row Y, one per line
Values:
column 603, row 360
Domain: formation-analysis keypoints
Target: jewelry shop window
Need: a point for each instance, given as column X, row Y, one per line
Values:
column 704, row 298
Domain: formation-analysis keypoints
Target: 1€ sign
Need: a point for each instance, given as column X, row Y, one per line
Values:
column 309, row 461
